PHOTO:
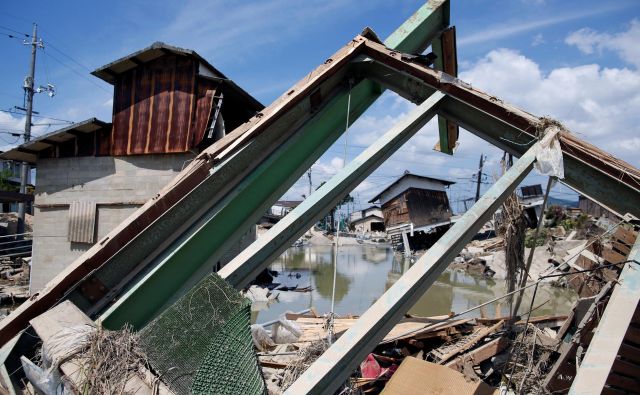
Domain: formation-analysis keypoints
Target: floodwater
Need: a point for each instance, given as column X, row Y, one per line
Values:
column 365, row 272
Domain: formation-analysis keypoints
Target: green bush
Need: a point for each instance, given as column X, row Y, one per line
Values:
column 529, row 239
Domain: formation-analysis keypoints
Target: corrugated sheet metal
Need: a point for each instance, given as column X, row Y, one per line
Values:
column 154, row 107
column 207, row 90
column 82, row 222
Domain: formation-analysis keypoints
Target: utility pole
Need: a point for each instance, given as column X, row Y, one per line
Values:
column 310, row 191
column 479, row 177
column 29, row 91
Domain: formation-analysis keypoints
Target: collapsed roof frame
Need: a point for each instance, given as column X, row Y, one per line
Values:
column 175, row 237
column 501, row 124
column 99, row 275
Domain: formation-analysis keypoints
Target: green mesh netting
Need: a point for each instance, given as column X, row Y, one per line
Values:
column 202, row 343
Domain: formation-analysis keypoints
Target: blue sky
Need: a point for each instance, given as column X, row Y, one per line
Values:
column 574, row 60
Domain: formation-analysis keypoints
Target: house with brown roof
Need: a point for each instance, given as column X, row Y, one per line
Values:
column 168, row 104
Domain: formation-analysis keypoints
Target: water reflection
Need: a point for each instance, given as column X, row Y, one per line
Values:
column 365, row 272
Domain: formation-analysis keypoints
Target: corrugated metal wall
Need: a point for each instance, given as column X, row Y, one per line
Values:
column 154, row 107
column 82, row 222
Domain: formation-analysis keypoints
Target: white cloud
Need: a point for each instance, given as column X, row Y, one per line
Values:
column 625, row 44
column 594, row 102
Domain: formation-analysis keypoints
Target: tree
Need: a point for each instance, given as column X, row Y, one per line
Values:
column 5, row 185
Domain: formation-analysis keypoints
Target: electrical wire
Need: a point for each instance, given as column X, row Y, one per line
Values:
column 38, row 116
column 77, row 72
column 15, row 31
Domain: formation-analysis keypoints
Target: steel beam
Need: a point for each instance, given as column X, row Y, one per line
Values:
column 244, row 268
column 447, row 61
column 200, row 246
column 339, row 361
column 604, row 347
column 152, row 233
column 587, row 168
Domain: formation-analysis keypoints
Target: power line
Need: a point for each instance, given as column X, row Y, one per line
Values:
column 39, row 116
column 77, row 72
column 15, row 31
column 67, row 56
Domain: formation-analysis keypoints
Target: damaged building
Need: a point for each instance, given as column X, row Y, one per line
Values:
column 168, row 104
column 152, row 274
column 416, row 211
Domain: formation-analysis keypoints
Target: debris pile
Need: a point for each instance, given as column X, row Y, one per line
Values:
column 524, row 354
column 14, row 283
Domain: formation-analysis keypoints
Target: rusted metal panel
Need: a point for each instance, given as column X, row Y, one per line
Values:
column 427, row 207
column 82, row 222
column 206, row 92
column 164, row 71
column 154, row 106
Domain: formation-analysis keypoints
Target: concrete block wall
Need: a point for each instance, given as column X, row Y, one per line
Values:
column 119, row 185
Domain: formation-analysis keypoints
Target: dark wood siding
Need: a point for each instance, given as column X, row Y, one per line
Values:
column 395, row 211
column 592, row 208
column 427, row 207
column 420, row 206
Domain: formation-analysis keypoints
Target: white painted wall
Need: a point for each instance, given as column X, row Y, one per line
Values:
column 410, row 182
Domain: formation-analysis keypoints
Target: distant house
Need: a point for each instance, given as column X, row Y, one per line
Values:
column 531, row 198
column 588, row 206
column 416, row 210
column 168, row 104
column 367, row 220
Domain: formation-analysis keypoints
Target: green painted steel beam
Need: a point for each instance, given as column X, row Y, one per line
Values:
column 416, row 33
column 244, row 268
column 603, row 350
column 184, row 263
column 601, row 187
column 342, row 358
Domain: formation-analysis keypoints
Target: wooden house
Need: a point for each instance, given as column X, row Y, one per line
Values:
column 168, row 104
column 416, row 210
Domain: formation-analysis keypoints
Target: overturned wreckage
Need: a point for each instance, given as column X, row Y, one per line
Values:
column 151, row 272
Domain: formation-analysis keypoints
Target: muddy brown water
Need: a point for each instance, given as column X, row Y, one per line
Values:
column 365, row 272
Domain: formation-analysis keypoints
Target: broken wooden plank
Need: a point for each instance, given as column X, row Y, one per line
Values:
column 476, row 337
column 480, row 354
